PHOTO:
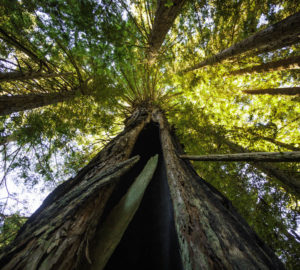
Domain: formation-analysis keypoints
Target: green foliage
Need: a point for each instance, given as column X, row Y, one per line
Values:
column 9, row 227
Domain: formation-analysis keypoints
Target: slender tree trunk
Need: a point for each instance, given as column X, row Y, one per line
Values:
column 289, row 91
column 283, row 33
column 281, row 144
column 9, row 38
column 182, row 217
column 7, row 139
column 21, row 76
column 289, row 183
column 165, row 16
column 250, row 157
column 284, row 64
column 10, row 104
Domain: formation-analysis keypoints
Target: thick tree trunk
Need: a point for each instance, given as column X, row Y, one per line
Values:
column 253, row 156
column 58, row 235
column 284, row 64
column 289, row 91
column 181, row 223
column 211, row 233
column 21, row 76
column 283, row 33
column 10, row 104
column 289, row 183
column 165, row 16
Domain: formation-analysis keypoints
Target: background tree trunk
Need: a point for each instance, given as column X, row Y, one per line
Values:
column 284, row 64
column 165, row 16
column 289, row 183
column 10, row 104
column 290, row 91
column 22, row 76
column 253, row 156
column 278, row 35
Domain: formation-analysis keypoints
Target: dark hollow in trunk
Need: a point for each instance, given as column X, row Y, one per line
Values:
column 150, row 241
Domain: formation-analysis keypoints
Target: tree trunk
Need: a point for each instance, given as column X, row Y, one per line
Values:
column 289, row 146
column 289, row 91
column 284, row 64
column 9, row 38
column 20, row 76
column 181, row 223
column 289, row 183
column 165, row 16
column 278, row 35
column 10, row 104
column 253, row 156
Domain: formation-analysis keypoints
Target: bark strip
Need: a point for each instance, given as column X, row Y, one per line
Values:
column 121, row 215
column 288, row 91
column 253, row 156
column 284, row 64
column 278, row 35
column 164, row 18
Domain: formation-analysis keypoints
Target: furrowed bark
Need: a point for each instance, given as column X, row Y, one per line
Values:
column 253, row 156
column 10, row 104
column 288, row 91
column 58, row 234
column 212, row 235
column 284, row 64
column 20, row 76
column 164, row 18
column 283, row 33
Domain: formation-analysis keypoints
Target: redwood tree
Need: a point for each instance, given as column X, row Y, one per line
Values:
column 191, row 233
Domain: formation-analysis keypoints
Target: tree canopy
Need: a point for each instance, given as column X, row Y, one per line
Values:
column 110, row 57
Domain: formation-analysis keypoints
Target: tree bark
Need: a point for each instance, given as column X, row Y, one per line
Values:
column 278, row 35
column 21, row 76
column 288, row 91
column 58, row 235
column 284, row 64
column 10, row 104
column 253, row 156
column 209, row 233
column 164, row 18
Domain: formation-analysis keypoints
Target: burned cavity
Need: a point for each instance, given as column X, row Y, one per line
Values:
column 150, row 241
